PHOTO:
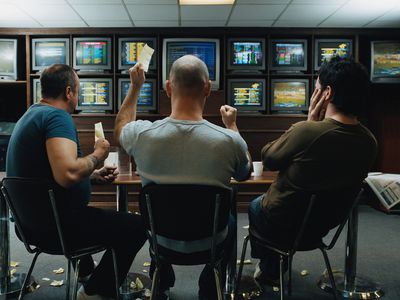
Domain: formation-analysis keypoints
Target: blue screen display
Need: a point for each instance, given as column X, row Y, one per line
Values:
column 145, row 97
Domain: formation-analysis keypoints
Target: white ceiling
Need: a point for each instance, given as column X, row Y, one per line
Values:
column 168, row 13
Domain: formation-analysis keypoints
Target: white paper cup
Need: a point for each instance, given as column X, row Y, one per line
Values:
column 257, row 168
column 111, row 160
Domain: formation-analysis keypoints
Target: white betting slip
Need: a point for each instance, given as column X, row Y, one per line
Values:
column 145, row 57
column 98, row 131
column 111, row 160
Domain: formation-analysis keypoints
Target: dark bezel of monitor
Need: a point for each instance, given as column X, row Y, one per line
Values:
column 287, row 68
column 34, row 87
column 13, row 75
column 153, row 63
column 382, row 79
column 139, row 108
column 231, row 66
column 92, row 67
column 284, row 109
column 319, row 41
column 100, row 108
column 40, row 68
column 214, row 83
column 243, row 109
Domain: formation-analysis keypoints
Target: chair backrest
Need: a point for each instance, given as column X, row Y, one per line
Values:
column 29, row 200
column 185, row 213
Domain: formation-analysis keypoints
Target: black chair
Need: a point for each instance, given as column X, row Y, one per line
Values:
column 348, row 199
column 34, row 207
column 178, row 217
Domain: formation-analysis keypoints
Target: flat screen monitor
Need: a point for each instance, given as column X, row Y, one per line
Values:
column 247, row 95
column 385, row 61
column 289, row 95
column 92, row 54
column 46, row 52
column 95, row 95
column 147, row 98
column 325, row 49
column 129, row 50
column 37, row 91
column 8, row 59
column 288, row 55
column 205, row 49
column 247, row 54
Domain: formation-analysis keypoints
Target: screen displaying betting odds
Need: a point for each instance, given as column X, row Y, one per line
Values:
column 145, row 96
column 327, row 50
column 247, row 94
column 288, row 54
column 7, row 56
column 50, row 52
column 288, row 95
column 206, row 51
column 130, row 51
column 91, row 53
column 94, row 94
column 247, row 53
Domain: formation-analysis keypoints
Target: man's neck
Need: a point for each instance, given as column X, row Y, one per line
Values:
column 334, row 114
column 55, row 102
column 186, row 109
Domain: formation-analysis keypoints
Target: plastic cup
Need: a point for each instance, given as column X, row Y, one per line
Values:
column 257, row 168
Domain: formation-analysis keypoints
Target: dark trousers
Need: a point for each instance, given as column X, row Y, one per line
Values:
column 269, row 260
column 91, row 226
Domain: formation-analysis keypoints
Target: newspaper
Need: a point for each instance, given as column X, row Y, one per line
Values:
column 386, row 187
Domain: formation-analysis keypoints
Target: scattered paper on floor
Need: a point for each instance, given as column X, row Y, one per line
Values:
column 304, row 273
column 14, row 264
column 275, row 289
column 147, row 293
column 246, row 227
column 12, row 272
column 146, row 264
column 59, row 271
column 45, row 279
column 139, row 284
column 246, row 262
column 144, row 271
column 57, row 283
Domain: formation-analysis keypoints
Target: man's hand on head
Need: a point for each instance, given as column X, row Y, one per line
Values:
column 106, row 174
column 228, row 114
column 318, row 106
column 137, row 76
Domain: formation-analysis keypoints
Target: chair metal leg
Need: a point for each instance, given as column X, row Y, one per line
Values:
column 75, row 282
column 114, row 256
column 290, row 260
column 217, row 283
column 68, row 280
column 239, row 276
column 330, row 273
column 281, row 280
column 154, row 285
column 28, row 275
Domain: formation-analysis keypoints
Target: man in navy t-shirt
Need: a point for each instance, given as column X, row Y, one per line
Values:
column 45, row 144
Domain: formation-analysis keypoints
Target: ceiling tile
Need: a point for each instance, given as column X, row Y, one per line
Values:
column 64, row 23
column 246, row 12
column 157, row 23
column 262, row 1
column 392, row 15
column 205, row 12
column 94, row 1
column 296, row 23
column 250, row 23
column 109, row 23
column 153, row 12
column 99, row 12
column 51, row 12
column 18, row 23
column 12, row 12
column 320, row 2
column 344, row 23
column 151, row 1
column 30, row 2
column 203, row 23
column 308, row 12
column 385, row 23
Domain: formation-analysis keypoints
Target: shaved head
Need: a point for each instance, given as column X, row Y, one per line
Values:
column 188, row 74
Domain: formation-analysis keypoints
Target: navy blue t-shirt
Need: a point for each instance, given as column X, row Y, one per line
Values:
column 27, row 154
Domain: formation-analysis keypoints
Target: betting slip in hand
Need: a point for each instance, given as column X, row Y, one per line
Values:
column 145, row 57
column 98, row 131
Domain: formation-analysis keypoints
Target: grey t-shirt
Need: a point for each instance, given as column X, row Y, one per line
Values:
column 170, row 151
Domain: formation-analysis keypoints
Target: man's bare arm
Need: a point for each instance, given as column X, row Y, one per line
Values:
column 127, row 112
column 67, row 168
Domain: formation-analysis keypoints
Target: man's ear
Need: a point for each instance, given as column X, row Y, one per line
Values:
column 68, row 93
column 207, row 88
column 328, row 93
column 168, row 88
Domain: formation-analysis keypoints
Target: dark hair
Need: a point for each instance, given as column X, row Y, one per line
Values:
column 55, row 79
column 349, row 81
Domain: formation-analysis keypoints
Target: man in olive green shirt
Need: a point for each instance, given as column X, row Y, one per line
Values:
column 332, row 150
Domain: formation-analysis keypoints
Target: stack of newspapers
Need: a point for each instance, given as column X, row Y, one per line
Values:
column 387, row 189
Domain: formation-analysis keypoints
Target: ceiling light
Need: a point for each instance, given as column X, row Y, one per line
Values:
column 206, row 2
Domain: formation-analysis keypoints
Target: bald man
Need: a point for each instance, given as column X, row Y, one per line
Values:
column 183, row 148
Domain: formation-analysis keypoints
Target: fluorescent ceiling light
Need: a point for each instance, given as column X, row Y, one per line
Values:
column 206, row 2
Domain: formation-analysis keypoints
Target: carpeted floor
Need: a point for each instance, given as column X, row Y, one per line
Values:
column 378, row 247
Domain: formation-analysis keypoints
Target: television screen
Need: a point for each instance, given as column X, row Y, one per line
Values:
column 8, row 59
column 325, row 49
column 385, row 61
column 95, row 94
column 246, row 54
column 247, row 94
column 147, row 97
column 46, row 52
column 92, row 53
column 205, row 49
column 288, row 55
column 129, row 50
column 37, row 91
column 289, row 95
